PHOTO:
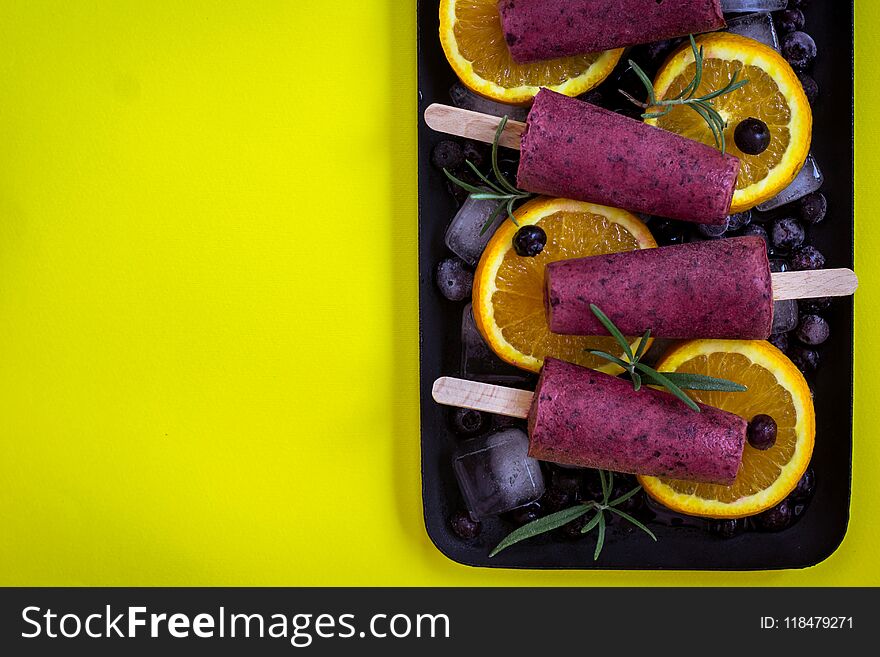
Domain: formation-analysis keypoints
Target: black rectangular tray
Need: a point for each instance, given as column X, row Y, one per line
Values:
column 821, row 529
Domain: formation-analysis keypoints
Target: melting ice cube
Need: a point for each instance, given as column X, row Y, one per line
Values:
column 478, row 361
column 736, row 6
column 463, row 235
column 759, row 27
column 496, row 474
column 807, row 181
column 466, row 99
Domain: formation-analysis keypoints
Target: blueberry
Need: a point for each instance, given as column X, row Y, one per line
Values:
column 508, row 166
column 656, row 52
column 573, row 528
column 632, row 504
column 464, row 526
column 775, row 519
column 713, row 230
column 787, row 233
column 726, row 528
column 454, row 279
column 668, row 233
column 524, row 514
column 799, row 49
column 756, row 230
column 529, row 241
column 762, row 432
column 811, row 87
column 467, row 422
column 447, row 154
column 752, row 136
column 778, row 265
column 780, row 341
column 798, row 4
column 595, row 97
column 805, row 487
column 790, row 20
column 813, row 330
column 556, row 499
column 807, row 257
column 739, row 220
column 813, row 208
column 474, row 153
column 806, row 360
column 567, row 480
column 813, row 306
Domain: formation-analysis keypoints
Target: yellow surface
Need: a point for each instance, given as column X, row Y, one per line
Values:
column 208, row 314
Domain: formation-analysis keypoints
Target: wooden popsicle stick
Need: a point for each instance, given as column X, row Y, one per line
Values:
column 473, row 125
column 814, row 283
column 482, row 397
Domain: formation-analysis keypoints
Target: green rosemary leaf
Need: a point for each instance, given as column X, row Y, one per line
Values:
column 637, row 381
column 630, row 519
column 623, row 498
column 471, row 188
column 649, row 86
column 610, row 486
column 492, row 217
column 613, row 330
column 657, row 115
column 499, row 176
column 600, row 539
column 542, row 526
column 488, row 196
column 669, row 385
column 485, row 179
column 607, row 356
column 510, row 212
column 590, row 526
column 687, row 381
column 643, row 344
column 606, row 488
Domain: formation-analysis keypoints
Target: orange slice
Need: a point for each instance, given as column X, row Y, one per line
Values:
column 472, row 38
column 508, row 296
column 774, row 95
column 775, row 387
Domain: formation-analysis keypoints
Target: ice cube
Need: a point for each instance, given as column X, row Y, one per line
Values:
column 466, row 99
column 807, row 181
column 758, row 26
column 463, row 235
column 736, row 6
column 478, row 361
column 785, row 316
column 496, row 473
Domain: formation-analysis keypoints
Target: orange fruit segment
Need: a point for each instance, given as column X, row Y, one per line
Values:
column 776, row 388
column 508, row 295
column 773, row 94
column 473, row 41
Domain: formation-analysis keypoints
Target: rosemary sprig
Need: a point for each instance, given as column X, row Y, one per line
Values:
column 674, row 382
column 560, row 518
column 701, row 105
column 501, row 190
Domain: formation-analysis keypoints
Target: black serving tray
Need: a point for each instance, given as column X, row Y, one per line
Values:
column 821, row 529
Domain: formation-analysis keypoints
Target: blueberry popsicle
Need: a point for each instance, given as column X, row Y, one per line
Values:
column 578, row 416
column 574, row 149
column 713, row 289
column 544, row 29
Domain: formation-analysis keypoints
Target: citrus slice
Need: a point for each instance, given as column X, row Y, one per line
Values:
column 774, row 95
column 776, row 388
column 508, row 296
column 472, row 38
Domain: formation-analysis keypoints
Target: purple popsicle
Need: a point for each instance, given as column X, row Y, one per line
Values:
column 586, row 418
column 713, row 289
column 577, row 150
column 544, row 29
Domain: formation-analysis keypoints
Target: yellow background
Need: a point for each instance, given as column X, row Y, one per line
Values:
column 208, row 301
